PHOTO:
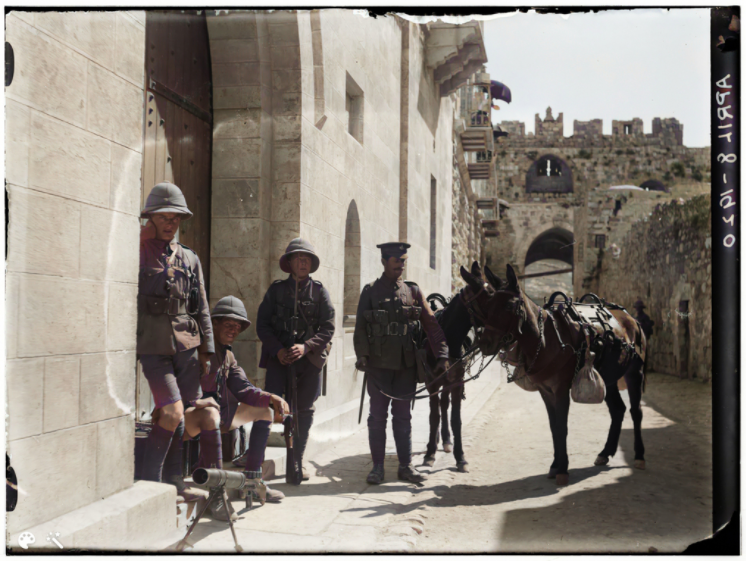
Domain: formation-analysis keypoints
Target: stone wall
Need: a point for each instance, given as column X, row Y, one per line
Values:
column 666, row 259
column 467, row 237
column 74, row 129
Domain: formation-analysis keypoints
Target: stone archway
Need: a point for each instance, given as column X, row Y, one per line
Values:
column 549, row 174
column 555, row 243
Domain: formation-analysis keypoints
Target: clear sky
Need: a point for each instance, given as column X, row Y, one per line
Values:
column 617, row 64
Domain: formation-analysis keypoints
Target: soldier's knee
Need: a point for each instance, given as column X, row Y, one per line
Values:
column 209, row 418
column 171, row 415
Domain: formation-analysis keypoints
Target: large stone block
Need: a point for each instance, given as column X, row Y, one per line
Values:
column 12, row 298
column 17, row 135
column 236, row 74
column 69, row 162
column 236, row 157
column 234, row 25
column 286, row 57
column 89, row 32
column 126, row 175
column 240, row 277
column 107, row 386
column 115, row 461
column 236, row 97
column 287, row 128
column 44, row 234
column 233, row 50
column 121, row 317
column 60, row 317
column 281, row 235
column 114, row 108
column 286, row 163
column 130, row 51
column 61, row 392
column 40, row 59
column 25, row 391
column 239, row 237
column 236, row 123
column 286, row 203
column 72, row 482
column 235, row 198
column 288, row 80
column 109, row 245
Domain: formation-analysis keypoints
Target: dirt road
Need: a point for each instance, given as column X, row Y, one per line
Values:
column 507, row 504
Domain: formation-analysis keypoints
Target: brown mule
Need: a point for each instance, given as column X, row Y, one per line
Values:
column 544, row 343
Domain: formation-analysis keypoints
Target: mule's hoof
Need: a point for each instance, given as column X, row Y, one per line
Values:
column 552, row 473
column 639, row 464
column 563, row 479
column 447, row 447
column 429, row 461
column 601, row 461
column 463, row 466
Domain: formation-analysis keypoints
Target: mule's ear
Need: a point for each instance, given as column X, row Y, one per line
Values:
column 492, row 278
column 476, row 270
column 512, row 278
column 465, row 274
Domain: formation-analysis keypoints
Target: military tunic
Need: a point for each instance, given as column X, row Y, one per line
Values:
column 173, row 320
column 387, row 313
column 228, row 385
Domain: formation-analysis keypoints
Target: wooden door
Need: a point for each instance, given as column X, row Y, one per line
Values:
column 178, row 130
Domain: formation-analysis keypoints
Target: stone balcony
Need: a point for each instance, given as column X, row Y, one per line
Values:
column 454, row 52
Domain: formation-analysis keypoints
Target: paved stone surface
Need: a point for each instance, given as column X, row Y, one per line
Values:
column 506, row 503
column 336, row 510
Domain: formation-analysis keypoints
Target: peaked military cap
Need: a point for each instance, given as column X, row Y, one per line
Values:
column 393, row 249
column 232, row 308
column 166, row 197
column 299, row 245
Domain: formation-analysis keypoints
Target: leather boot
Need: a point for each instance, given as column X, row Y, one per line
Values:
column 403, row 439
column 304, row 426
column 408, row 473
column 375, row 477
column 172, row 466
column 155, row 452
column 210, row 449
column 377, row 443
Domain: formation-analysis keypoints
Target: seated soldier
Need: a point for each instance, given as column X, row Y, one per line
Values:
column 239, row 401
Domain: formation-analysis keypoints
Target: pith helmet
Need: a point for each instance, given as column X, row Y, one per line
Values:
column 166, row 197
column 232, row 308
column 639, row 305
column 299, row 245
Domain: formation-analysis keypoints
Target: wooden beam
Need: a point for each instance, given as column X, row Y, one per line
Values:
column 546, row 274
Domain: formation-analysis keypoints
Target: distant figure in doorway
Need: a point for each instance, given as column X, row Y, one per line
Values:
column 645, row 322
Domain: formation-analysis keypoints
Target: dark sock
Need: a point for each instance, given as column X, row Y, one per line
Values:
column 172, row 466
column 210, row 449
column 257, row 445
column 156, row 449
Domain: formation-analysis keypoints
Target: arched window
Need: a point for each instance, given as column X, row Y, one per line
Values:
column 352, row 261
column 549, row 174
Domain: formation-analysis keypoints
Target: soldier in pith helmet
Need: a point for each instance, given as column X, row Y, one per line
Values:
column 314, row 332
column 388, row 314
column 239, row 400
column 174, row 336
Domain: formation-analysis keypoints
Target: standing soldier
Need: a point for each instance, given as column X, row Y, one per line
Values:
column 314, row 332
column 645, row 322
column 174, row 336
column 387, row 315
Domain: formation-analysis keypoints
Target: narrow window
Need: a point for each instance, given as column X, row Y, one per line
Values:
column 600, row 241
column 354, row 109
column 433, row 216
column 627, row 129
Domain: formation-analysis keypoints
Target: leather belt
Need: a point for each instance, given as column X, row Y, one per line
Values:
column 158, row 305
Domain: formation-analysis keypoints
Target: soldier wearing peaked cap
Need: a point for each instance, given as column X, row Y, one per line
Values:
column 239, row 401
column 645, row 322
column 388, row 313
column 174, row 336
column 314, row 332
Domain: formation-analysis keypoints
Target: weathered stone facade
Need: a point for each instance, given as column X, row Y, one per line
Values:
column 665, row 259
column 74, row 122
column 325, row 124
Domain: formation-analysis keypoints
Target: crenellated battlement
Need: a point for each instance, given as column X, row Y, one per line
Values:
column 667, row 131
